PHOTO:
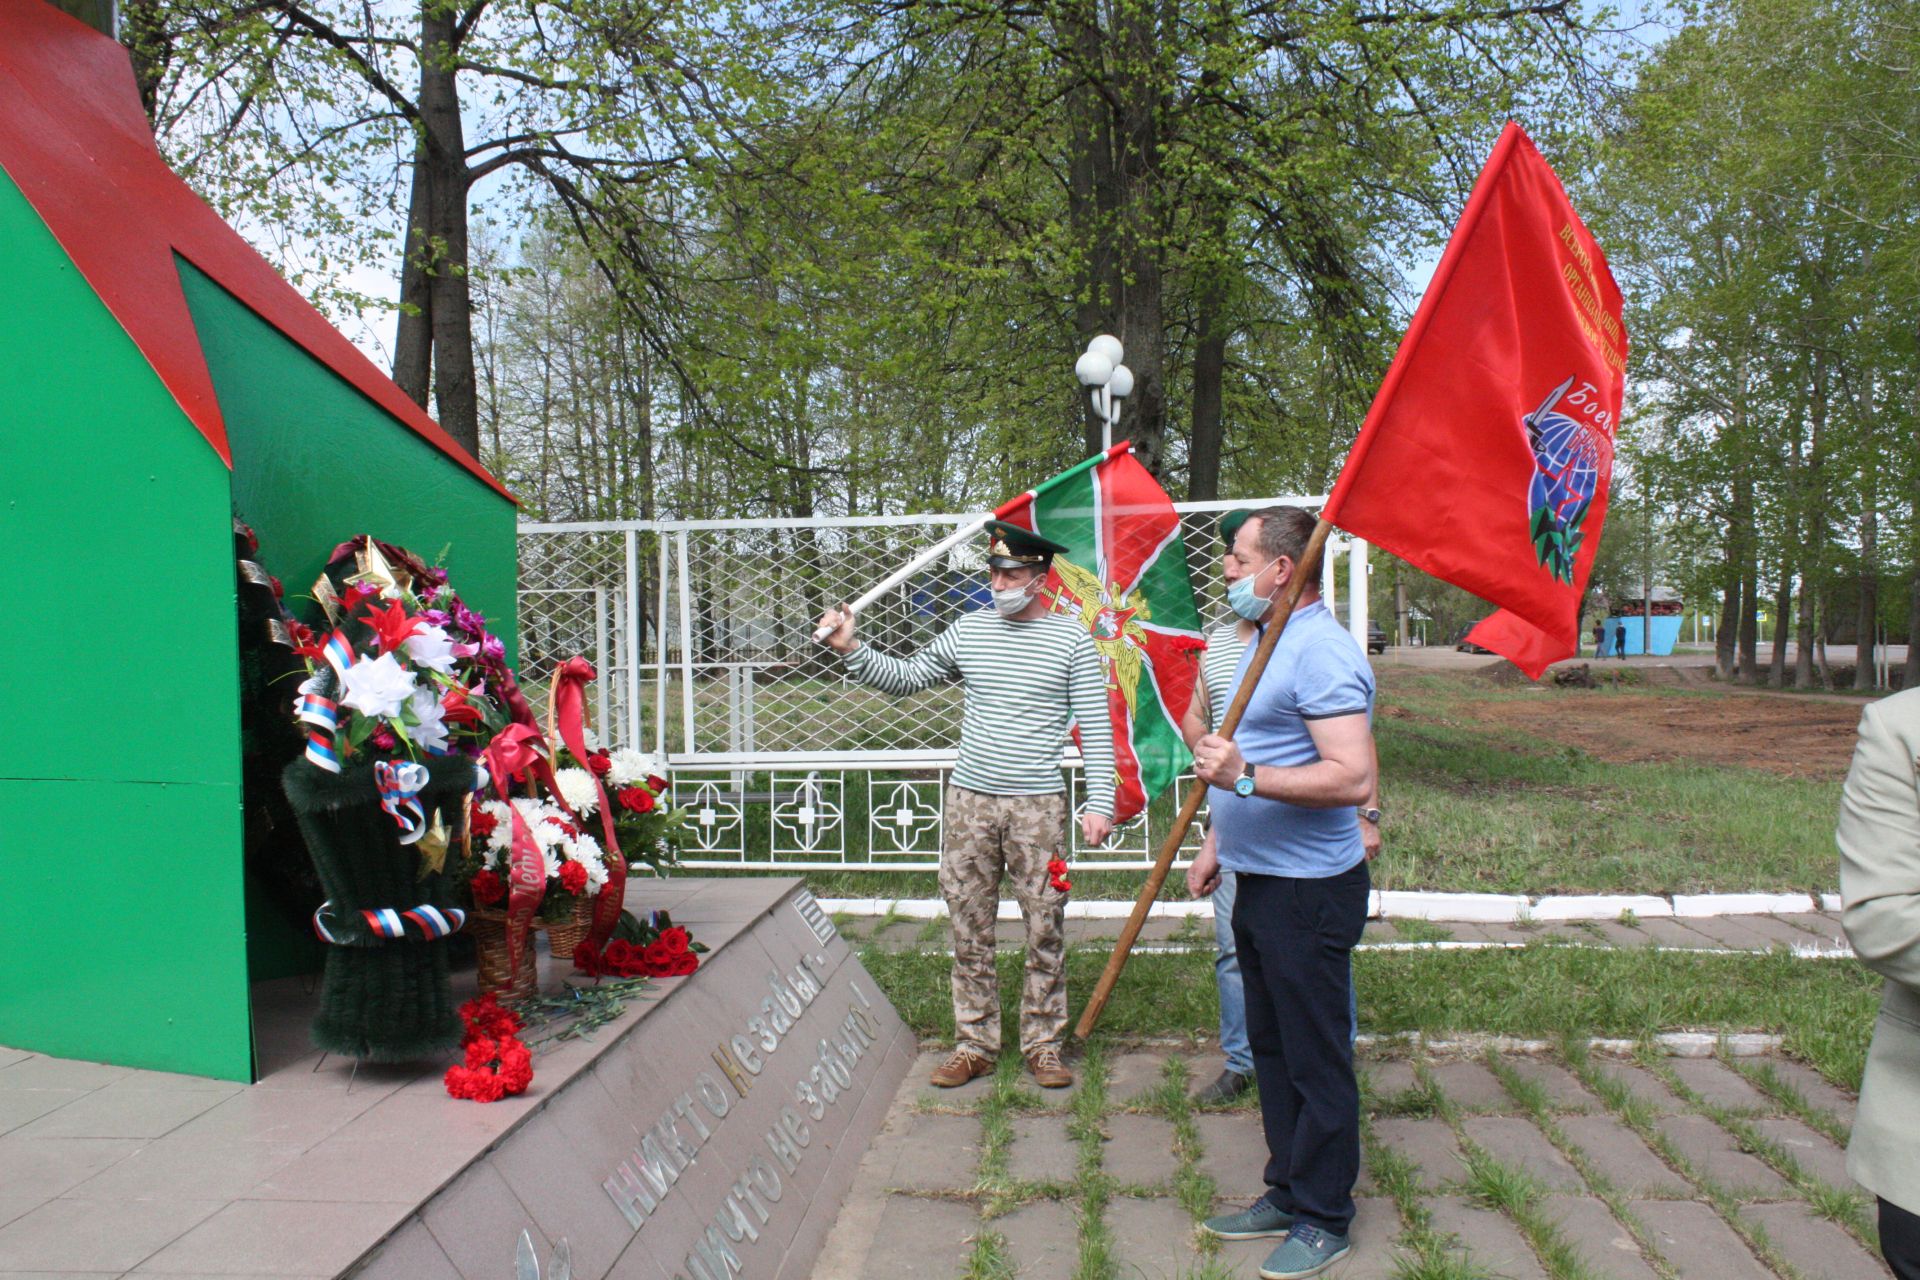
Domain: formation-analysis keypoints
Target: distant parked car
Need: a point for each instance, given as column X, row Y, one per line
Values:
column 1376, row 637
column 1465, row 645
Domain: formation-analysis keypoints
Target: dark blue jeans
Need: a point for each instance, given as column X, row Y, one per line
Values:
column 1295, row 938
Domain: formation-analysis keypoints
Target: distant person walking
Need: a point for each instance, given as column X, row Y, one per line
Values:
column 1600, row 638
column 1879, row 840
column 1620, row 641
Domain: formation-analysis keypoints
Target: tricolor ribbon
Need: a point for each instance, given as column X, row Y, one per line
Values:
column 400, row 786
column 568, row 718
column 339, row 653
column 386, row 924
column 323, row 714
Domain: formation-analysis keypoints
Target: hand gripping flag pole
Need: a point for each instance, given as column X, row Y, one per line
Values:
column 1306, row 571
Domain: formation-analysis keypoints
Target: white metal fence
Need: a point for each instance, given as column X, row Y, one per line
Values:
column 701, row 631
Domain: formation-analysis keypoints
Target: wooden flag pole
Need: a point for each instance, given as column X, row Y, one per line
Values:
column 1305, row 570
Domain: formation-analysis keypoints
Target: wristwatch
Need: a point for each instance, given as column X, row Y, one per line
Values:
column 1370, row 814
column 1243, row 785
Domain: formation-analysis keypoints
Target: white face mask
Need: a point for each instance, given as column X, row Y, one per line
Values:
column 1011, row 603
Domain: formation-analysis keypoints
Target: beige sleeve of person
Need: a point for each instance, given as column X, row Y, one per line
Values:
column 1879, row 839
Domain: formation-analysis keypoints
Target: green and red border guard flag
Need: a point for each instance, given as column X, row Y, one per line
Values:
column 1124, row 576
column 1486, row 456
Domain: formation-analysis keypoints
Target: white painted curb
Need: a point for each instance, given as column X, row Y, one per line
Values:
column 1468, row 908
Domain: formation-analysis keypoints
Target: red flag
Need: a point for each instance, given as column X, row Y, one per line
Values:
column 1486, row 456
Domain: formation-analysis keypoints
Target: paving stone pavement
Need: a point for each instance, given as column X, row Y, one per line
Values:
column 998, row 1179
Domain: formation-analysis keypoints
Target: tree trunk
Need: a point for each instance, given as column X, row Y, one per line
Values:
column 1137, row 161
column 1803, row 636
column 1725, row 634
column 1864, row 668
column 1910, row 673
column 1782, row 604
column 451, row 322
column 413, row 331
column 1209, row 368
column 1091, row 194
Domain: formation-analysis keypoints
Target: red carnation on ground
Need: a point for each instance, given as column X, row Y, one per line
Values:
column 483, row 1016
column 600, row 762
column 635, row 799
column 573, row 877
column 487, row 888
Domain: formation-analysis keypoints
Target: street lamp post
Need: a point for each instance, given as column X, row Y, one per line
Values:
column 1108, row 382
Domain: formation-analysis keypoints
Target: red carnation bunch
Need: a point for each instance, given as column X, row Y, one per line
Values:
column 498, row 1064
column 1057, row 875
column 658, row 948
column 487, row 888
column 481, row 823
column 573, row 878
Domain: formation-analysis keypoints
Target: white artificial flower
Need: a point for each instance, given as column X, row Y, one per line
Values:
column 502, row 837
column 631, row 768
column 431, row 731
column 551, row 863
column 431, row 647
column 577, row 789
column 377, row 686
column 593, row 739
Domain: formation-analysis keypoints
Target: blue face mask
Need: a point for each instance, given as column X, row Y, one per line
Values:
column 1241, row 600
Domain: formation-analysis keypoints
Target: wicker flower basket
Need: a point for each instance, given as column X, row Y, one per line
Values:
column 488, row 930
column 565, row 936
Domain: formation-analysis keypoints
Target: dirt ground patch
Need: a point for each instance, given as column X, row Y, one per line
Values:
column 1793, row 737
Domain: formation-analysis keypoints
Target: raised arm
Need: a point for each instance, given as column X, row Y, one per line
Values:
column 937, row 662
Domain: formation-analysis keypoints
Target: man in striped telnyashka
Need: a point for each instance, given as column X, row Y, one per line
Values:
column 1028, row 672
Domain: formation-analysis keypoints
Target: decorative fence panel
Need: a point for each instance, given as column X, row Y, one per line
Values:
column 701, row 631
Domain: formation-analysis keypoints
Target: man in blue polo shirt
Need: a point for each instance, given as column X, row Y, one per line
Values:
column 1283, row 801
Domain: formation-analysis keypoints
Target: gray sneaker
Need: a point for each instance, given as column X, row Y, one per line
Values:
column 1226, row 1087
column 1257, row 1221
column 1307, row 1251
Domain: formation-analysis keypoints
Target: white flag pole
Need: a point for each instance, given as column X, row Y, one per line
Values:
column 907, row 570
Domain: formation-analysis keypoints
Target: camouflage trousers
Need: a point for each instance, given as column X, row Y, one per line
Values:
column 987, row 835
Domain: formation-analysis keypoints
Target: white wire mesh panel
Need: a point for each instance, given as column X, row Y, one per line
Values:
column 702, row 634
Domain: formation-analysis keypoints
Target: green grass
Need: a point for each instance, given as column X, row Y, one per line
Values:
column 1825, row 1009
column 1474, row 806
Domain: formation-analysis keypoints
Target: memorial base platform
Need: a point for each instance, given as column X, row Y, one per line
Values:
column 711, row 1131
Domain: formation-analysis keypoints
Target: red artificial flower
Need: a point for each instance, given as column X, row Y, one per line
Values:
column 635, row 799
column 573, row 832
column 307, row 642
column 279, row 588
column 487, row 888
column 383, row 739
column 573, row 877
column 391, row 624
column 481, row 824
column 355, row 594
column 675, row 939
column 600, row 762
column 455, row 709
column 658, row 784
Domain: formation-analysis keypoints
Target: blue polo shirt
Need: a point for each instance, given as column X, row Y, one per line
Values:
column 1316, row 672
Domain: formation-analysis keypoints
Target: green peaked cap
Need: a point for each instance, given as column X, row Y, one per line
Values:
column 1230, row 524
column 1011, row 547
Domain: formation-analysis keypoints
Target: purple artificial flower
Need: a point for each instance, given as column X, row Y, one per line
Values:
column 437, row 576
column 467, row 620
column 436, row 617
column 492, row 649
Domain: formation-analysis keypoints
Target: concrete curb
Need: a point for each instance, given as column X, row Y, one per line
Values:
column 1387, row 904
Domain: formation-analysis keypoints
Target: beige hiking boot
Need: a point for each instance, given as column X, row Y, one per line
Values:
column 1048, row 1071
column 962, row 1065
